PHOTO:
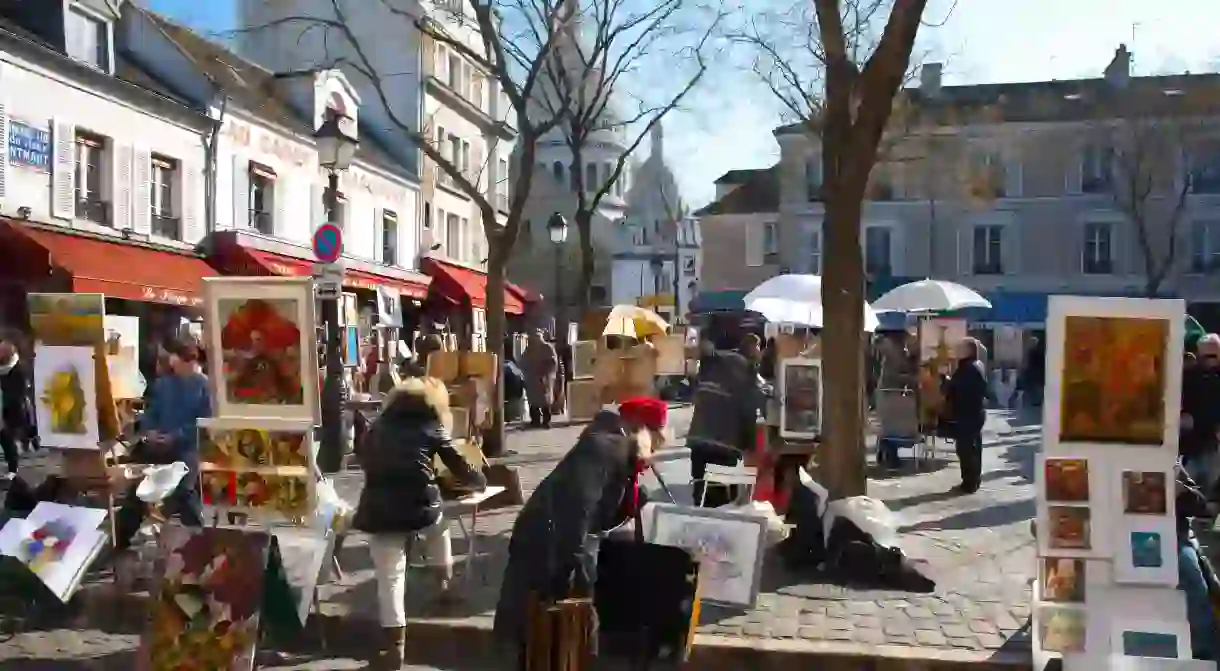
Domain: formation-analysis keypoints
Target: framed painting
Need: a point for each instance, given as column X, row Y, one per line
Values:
column 67, row 319
column 263, row 330
column 65, row 397
column 728, row 545
column 938, row 339
column 800, row 390
column 208, row 604
column 245, row 444
column 1062, row 580
column 1146, row 551
column 1092, row 402
column 584, row 356
column 1062, row 629
column 1151, row 638
column 57, row 543
column 671, row 354
column 351, row 346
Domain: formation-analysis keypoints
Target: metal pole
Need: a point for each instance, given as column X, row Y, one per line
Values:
column 561, row 326
column 330, row 456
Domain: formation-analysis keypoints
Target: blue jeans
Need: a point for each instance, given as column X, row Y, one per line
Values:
column 1199, row 613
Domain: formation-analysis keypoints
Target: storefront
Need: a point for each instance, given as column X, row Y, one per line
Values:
column 162, row 286
column 458, row 299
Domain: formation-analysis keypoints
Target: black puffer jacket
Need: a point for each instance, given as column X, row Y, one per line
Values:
column 400, row 493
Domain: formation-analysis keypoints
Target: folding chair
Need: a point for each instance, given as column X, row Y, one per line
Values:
column 729, row 476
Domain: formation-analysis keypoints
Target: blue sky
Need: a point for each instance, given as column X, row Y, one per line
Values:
column 728, row 123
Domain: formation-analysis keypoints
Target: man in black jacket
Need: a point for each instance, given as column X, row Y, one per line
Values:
column 1200, row 419
column 15, row 422
column 966, row 398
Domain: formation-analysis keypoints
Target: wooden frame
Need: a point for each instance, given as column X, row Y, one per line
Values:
column 785, row 422
column 260, row 462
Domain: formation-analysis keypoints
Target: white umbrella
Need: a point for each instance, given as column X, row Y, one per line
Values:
column 796, row 299
column 930, row 296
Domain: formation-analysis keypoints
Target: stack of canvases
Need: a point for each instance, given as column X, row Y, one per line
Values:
column 1107, row 538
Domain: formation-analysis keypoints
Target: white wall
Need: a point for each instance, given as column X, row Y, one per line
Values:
column 57, row 103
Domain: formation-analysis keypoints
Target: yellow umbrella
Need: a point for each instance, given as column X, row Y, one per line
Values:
column 631, row 321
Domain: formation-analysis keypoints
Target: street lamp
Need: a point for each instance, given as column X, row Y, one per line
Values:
column 557, row 228
column 336, row 144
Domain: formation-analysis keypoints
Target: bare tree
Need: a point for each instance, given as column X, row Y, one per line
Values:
column 515, row 48
column 608, row 42
column 837, row 70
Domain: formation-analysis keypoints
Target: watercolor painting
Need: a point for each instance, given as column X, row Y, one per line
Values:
column 728, row 545
column 1069, row 528
column 57, row 543
column 65, row 397
column 1146, row 549
column 801, row 398
column 1104, row 403
column 1063, row 580
column 207, row 608
column 1062, row 629
column 584, row 357
column 1145, row 493
column 238, row 448
column 1067, row 480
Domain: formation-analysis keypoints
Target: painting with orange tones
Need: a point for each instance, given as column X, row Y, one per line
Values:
column 1114, row 380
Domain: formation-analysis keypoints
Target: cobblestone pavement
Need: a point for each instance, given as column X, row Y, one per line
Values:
column 977, row 547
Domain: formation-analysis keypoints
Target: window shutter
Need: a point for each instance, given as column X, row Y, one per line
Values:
column 378, row 254
column 480, row 171
column 120, row 186
column 1010, row 248
column 63, row 171
column 241, row 191
column 754, row 244
column 190, row 195
column 965, row 249
column 142, row 200
column 280, row 193
column 3, row 141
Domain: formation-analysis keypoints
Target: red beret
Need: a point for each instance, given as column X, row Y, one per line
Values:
column 645, row 410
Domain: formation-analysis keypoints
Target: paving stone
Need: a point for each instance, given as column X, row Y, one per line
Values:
column 983, row 627
column 919, row 612
column 990, row 641
column 869, row 636
column 931, row 638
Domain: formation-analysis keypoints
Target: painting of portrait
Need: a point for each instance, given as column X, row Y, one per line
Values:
column 1069, row 528
column 1067, row 480
column 1063, row 580
column 1145, row 493
column 1107, row 403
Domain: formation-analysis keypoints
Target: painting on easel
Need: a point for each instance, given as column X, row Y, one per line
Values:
column 66, row 397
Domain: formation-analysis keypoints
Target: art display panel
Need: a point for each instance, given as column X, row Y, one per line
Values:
column 263, row 329
column 65, row 397
column 671, row 354
column 729, row 546
column 122, row 350
column 801, row 392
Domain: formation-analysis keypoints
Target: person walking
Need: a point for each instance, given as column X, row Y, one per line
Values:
column 966, row 399
column 1200, row 418
column 727, row 401
column 16, row 425
column 401, row 498
column 540, row 366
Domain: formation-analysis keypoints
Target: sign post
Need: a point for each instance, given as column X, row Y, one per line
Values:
column 328, row 281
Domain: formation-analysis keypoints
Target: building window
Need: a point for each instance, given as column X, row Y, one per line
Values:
column 502, row 186
column 815, row 253
column 442, row 62
column 813, row 178
column 591, row 177
column 164, row 176
column 877, row 251
column 1098, row 248
column 770, row 242
column 1205, row 171
column 991, row 176
column 988, row 250
column 607, row 172
column 453, row 237
column 90, row 157
column 573, row 176
column 262, row 199
column 464, row 161
column 1205, row 246
column 389, row 238
column 87, row 38
column 454, row 77
column 557, row 170
column 1096, row 169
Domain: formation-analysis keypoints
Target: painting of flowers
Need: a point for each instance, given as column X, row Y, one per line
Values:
column 57, row 543
column 66, row 397
column 1107, row 403
column 206, row 612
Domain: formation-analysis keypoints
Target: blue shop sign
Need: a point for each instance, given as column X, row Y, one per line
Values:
column 29, row 147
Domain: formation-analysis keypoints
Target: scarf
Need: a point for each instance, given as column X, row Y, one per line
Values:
column 630, row 506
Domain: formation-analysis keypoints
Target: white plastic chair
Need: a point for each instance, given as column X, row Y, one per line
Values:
column 716, row 474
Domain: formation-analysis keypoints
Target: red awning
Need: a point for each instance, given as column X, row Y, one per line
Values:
column 240, row 260
column 454, row 282
column 118, row 269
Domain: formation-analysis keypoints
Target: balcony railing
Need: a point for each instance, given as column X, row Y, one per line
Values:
column 989, row 268
column 262, row 222
column 389, row 255
column 166, row 227
column 94, row 210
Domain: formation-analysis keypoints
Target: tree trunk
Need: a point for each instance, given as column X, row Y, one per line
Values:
column 493, row 439
column 588, row 265
column 842, row 464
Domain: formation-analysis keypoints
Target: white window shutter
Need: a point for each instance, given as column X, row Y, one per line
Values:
column 754, row 244
column 279, row 205
column 190, row 190
column 317, row 206
column 63, row 171
column 241, row 192
column 480, row 171
column 142, row 192
column 3, row 142
column 378, row 225
column 965, row 249
column 120, row 186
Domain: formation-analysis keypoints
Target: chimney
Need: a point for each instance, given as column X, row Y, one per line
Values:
column 1118, row 72
column 929, row 79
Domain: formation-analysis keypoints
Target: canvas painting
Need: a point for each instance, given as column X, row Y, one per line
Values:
column 584, row 354
column 65, row 395
column 584, row 400
column 801, row 398
column 1155, row 638
column 728, row 545
column 1062, row 629
column 263, row 329
column 1063, row 580
column 1069, row 528
column 248, row 448
column 1105, row 403
column 1147, row 551
column 57, row 543
column 1067, row 480
column 671, row 354
column 1145, row 493
column 351, row 346
column 938, row 339
column 259, row 493
column 67, row 319
column 206, row 611
column 123, row 355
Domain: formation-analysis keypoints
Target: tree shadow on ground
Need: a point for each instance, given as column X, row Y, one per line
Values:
column 991, row 516
column 909, row 467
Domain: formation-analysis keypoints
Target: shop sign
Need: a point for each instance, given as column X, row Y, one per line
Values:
column 28, row 146
column 286, row 150
column 170, row 297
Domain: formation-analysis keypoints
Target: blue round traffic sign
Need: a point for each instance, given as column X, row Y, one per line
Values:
column 327, row 243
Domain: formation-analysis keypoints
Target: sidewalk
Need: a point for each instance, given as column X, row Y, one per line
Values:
column 978, row 548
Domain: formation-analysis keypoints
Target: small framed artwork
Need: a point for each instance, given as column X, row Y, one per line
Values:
column 1145, row 492
column 671, row 354
column 800, row 390
column 1070, row 528
column 1061, row 628
column 584, row 354
column 65, row 397
column 1146, row 551
column 351, row 346
column 1151, row 638
column 1067, row 480
column 1062, row 580
column 263, row 330
column 729, row 546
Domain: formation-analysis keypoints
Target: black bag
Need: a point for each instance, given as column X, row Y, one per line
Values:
column 646, row 599
column 857, row 559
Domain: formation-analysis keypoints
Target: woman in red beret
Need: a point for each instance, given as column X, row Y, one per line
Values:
column 553, row 550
